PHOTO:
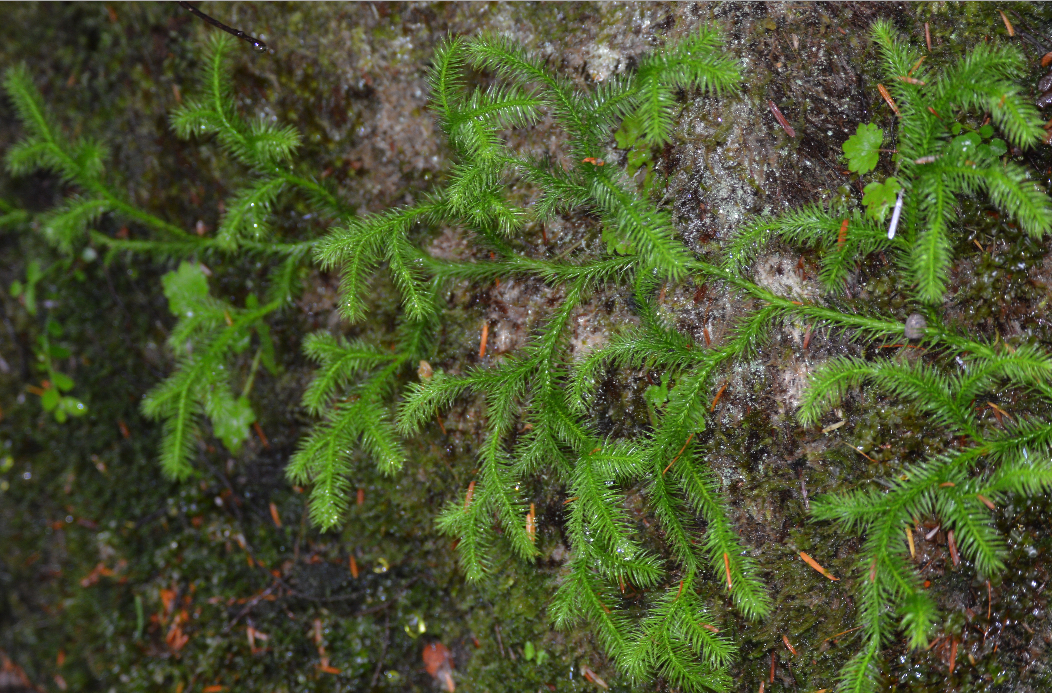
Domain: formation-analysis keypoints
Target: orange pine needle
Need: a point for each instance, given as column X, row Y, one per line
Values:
column 1011, row 32
column 789, row 645
column 727, row 566
column 674, row 459
column 353, row 564
column 259, row 432
column 999, row 410
column 953, row 643
column 471, row 492
column 485, row 336
column 717, row 398
column 986, row 501
column 916, row 65
column 531, row 524
column 814, row 564
column 274, row 515
column 862, row 453
column 361, row 496
column 927, row 36
column 887, row 97
column 843, row 632
column 841, row 238
column 909, row 540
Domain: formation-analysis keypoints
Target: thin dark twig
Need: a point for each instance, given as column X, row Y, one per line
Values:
column 248, row 607
column 1033, row 41
column 256, row 43
column 383, row 653
column 348, row 597
column 151, row 517
column 496, row 629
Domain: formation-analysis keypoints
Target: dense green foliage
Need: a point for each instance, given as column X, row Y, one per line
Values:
column 538, row 418
column 354, row 384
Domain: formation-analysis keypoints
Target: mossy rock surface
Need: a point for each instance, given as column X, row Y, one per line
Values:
column 113, row 578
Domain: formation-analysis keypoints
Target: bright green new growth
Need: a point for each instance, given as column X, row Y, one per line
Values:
column 208, row 332
column 936, row 165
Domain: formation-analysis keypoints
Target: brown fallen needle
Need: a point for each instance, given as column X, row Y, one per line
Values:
column 781, row 119
column 954, row 556
column 593, row 677
column 887, row 97
column 1011, row 32
column 814, row 564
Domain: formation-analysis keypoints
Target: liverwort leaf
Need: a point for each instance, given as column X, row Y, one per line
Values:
column 62, row 381
column 49, row 400
column 185, row 287
column 231, row 422
column 880, row 197
column 863, row 148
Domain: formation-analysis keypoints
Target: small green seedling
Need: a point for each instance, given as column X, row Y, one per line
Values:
column 52, row 390
column 880, row 197
column 26, row 292
column 863, row 148
column 530, row 653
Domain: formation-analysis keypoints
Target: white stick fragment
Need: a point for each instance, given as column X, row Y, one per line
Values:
column 895, row 216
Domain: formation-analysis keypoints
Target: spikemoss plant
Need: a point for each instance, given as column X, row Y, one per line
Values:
column 537, row 403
